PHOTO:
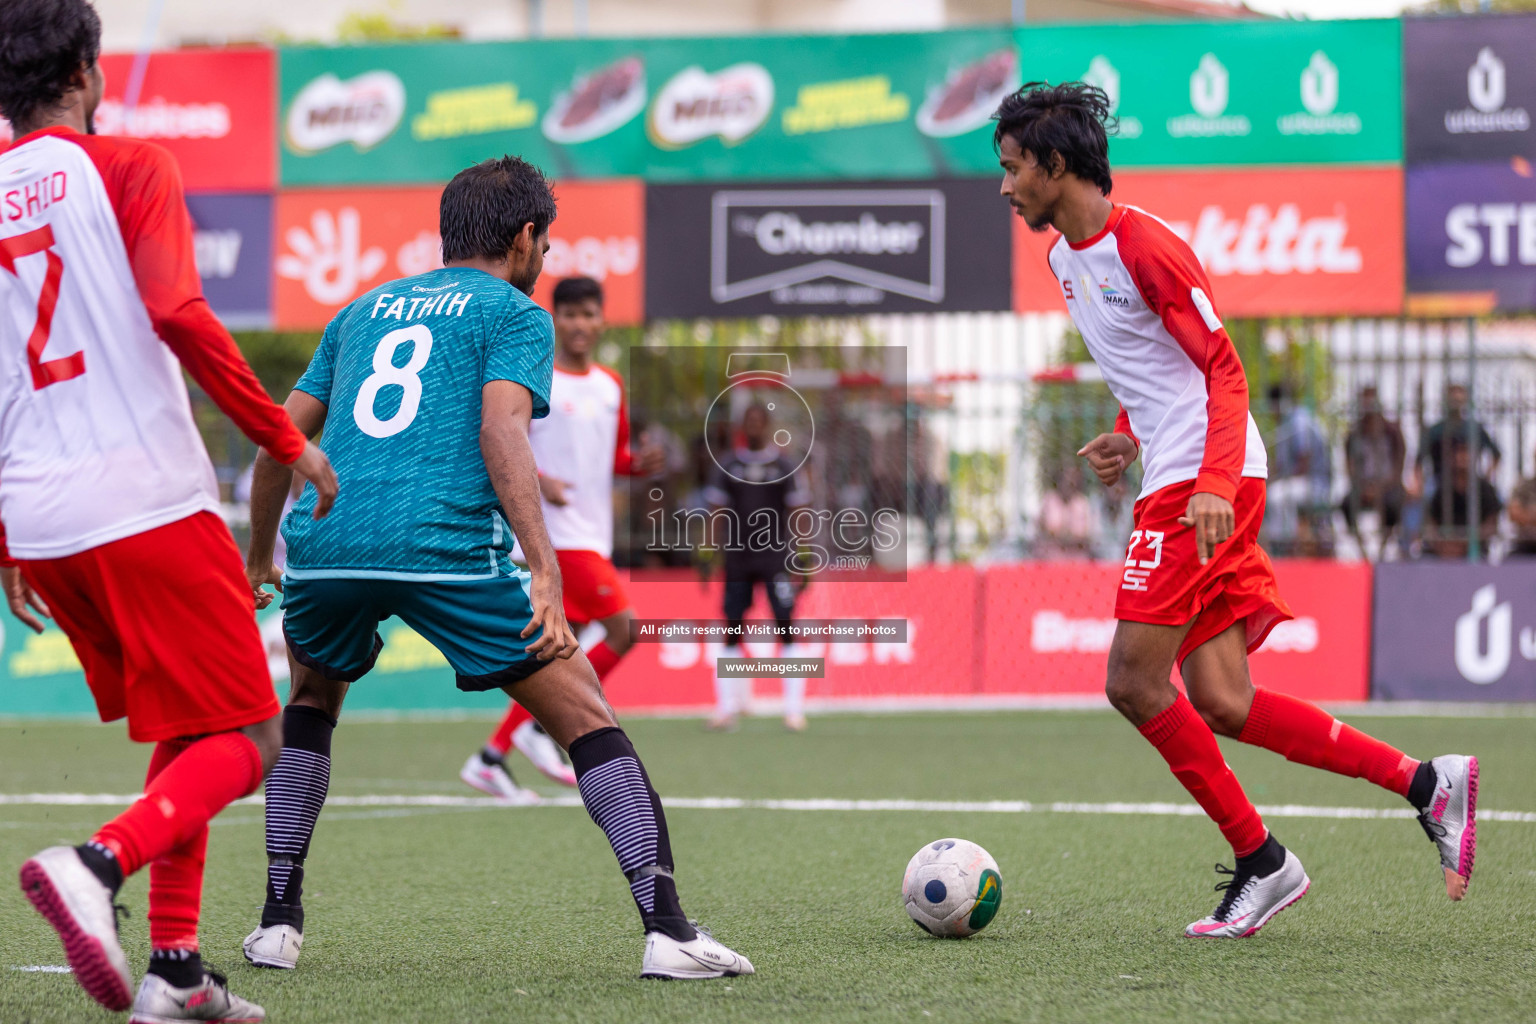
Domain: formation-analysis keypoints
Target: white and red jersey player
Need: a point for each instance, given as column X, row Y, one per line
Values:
column 103, row 474
column 1144, row 307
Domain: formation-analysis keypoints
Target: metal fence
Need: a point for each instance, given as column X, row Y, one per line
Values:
column 1369, row 457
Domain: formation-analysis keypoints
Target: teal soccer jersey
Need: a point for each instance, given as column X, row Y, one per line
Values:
column 400, row 371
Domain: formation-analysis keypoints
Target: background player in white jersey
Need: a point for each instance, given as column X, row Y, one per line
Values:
column 1197, row 591
column 580, row 447
column 110, row 505
column 425, row 388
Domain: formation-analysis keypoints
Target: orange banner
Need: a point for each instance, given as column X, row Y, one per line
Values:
column 332, row 245
column 1274, row 242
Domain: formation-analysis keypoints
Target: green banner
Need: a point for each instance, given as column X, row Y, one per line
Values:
column 784, row 107
column 40, row 675
column 1263, row 92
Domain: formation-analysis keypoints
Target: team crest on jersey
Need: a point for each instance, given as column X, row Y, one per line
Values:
column 1113, row 296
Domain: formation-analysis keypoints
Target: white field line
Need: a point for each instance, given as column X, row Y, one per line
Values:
column 724, row 803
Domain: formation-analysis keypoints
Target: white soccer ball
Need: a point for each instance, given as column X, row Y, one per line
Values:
column 952, row 888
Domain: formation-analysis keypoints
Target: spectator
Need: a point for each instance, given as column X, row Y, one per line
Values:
column 1301, row 480
column 1066, row 517
column 1441, row 437
column 1115, row 514
column 1446, row 535
column 1522, row 512
column 1374, row 456
column 930, row 482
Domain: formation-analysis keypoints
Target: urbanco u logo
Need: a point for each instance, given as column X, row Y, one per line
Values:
column 1477, row 663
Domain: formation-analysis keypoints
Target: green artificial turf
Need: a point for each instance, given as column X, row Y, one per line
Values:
column 451, row 914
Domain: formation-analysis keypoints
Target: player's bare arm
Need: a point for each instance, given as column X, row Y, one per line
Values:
column 506, row 411
column 1109, row 456
column 270, row 481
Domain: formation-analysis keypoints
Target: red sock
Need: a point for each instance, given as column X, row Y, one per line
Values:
column 1308, row 735
column 176, row 877
column 1189, row 747
column 603, row 658
column 501, row 739
column 188, row 789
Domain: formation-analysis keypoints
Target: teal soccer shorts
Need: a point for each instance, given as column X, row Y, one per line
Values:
column 331, row 625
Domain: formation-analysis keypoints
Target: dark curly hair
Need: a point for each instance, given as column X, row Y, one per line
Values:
column 1072, row 119
column 485, row 207
column 43, row 43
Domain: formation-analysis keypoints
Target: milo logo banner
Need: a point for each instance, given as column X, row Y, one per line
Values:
column 1236, row 93
column 888, row 106
column 1471, row 91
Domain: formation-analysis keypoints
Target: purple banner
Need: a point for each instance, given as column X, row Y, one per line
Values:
column 233, row 239
column 1472, row 228
column 1453, row 631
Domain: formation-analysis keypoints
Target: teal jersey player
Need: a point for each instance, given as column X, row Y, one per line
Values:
column 400, row 370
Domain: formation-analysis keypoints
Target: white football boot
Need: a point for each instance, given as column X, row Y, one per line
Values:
column 79, row 907
column 276, row 946
column 1450, row 819
column 160, row 1002
column 495, row 780
column 701, row 957
column 1251, row 900
column 534, row 744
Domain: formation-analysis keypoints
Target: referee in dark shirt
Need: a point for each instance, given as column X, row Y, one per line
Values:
column 757, row 484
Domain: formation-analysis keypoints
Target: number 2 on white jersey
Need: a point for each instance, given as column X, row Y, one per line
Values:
column 29, row 243
column 386, row 373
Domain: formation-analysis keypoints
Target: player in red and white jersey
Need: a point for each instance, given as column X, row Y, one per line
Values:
column 1197, row 590
column 579, row 448
column 109, row 502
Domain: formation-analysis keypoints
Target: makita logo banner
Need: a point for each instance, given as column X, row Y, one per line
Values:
column 1274, row 242
column 1452, row 631
column 1470, row 90
column 795, row 250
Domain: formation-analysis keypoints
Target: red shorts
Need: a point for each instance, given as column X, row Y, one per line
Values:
column 1164, row 583
column 593, row 589
column 165, row 627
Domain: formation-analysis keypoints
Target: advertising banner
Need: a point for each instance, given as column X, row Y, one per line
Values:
column 1293, row 242
column 1472, row 230
column 1454, row 631
column 232, row 237
column 1471, row 89
column 1048, row 628
column 334, row 245
column 882, row 106
column 1261, row 92
column 870, row 247
column 213, row 109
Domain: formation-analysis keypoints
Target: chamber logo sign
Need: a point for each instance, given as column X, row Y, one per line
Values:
column 1486, row 92
column 1106, row 76
column 597, row 103
column 1319, row 100
column 1208, row 94
column 328, row 111
column 849, row 247
column 969, row 95
column 694, row 105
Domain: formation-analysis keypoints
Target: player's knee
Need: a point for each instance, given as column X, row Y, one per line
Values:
column 268, row 737
column 1130, row 680
column 1222, row 712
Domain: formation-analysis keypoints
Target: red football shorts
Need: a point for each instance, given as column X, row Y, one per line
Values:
column 1164, row 583
column 164, row 624
column 592, row 586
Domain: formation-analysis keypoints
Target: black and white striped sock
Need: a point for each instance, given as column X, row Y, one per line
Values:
column 619, row 796
column 295, row 793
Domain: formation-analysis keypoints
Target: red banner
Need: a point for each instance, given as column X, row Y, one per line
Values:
column 334, row 245
column 215, row 110
column 1032, row 629
column 1274, row 242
